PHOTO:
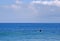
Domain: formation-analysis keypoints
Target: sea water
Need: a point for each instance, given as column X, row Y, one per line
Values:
column 29, row 32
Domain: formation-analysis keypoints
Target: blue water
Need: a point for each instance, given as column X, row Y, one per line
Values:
column 29, row 32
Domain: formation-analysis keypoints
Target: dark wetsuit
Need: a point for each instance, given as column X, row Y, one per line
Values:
column 40, row 30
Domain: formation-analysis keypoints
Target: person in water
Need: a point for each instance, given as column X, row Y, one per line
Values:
column 40, row 30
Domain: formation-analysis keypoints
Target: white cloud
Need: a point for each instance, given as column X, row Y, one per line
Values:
column 17, row 5
column 18, row 2
column 29, row 13
column 55, row 2
column 13, row 6
column 33, row 9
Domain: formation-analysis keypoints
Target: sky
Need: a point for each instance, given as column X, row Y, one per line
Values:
column 29, row 11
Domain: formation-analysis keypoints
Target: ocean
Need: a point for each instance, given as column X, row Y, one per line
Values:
column 29, row 31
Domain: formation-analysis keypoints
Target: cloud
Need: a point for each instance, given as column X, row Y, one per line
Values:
column 17, row 5
column 21, row 11
column 18, row 2
column 46, row 9
column 55, row 2
column 31, row 12
column 33, row 9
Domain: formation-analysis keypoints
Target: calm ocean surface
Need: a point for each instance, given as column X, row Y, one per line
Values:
column 29, row 32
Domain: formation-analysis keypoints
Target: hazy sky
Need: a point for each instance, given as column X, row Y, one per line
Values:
column 30, row 11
